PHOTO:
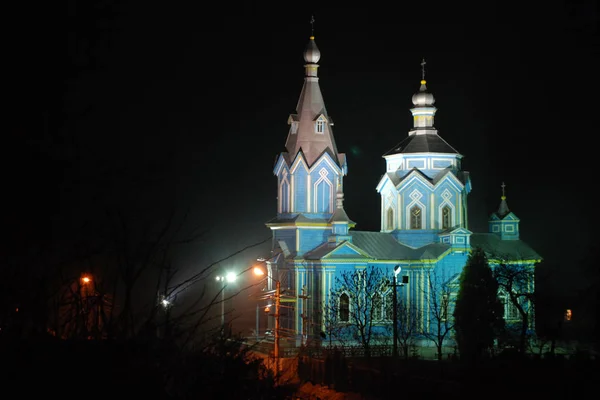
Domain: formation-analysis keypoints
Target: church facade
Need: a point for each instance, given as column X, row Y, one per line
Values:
column 424, row 240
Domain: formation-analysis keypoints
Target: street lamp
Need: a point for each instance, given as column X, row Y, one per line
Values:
column 397, row 270
column 225, row 279
column 260, row 272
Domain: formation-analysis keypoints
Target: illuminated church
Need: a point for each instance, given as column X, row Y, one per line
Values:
column 424, row 217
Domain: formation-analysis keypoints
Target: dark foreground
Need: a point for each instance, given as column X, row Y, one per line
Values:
column 104, row 371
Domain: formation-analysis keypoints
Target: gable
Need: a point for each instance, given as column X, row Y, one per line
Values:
column 321, row 117
column 460, row 231
column 346, row 250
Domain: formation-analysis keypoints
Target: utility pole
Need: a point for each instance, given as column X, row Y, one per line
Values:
column 304, row 315
column 276, row 350
column 257, row 325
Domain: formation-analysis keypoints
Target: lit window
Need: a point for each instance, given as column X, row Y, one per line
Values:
column 294, row 127
column 344, row 308
column 511, row 312
column 320, row 126
column 389, row 306
column 390, row 219
column 568, row 315
column 444, row 308
column 415, row 218
column 377, row 307
column 446, row 218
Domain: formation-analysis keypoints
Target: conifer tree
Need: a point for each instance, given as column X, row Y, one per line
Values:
column 478, row 314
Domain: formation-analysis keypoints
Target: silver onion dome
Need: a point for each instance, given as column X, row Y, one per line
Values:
column 312, row 53
column 423, row 98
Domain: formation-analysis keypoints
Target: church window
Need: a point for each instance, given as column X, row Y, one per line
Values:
column 415, row 218
column 446, row 217
column 389, row 306
column 294, row 127
column 390, row 219
column 444, row 308
column 285, row 197
column 511, row 311
column 344, row 308
column 323, row 191
column 377, row 307
column 320, row 126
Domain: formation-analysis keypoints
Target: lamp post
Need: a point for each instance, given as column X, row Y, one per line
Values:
column 260, row 272
column 397, row 270
column 225, row 279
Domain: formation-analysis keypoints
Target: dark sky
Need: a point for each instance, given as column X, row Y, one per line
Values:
column 153, row 105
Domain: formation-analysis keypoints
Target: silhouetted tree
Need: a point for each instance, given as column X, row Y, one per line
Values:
column 408, row 326
column 517, row 282
column 478, row 313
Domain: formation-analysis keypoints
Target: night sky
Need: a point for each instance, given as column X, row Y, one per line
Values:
column 153, row 106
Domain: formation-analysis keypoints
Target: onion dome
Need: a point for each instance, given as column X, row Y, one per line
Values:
column 423, row 98
column 312, row 53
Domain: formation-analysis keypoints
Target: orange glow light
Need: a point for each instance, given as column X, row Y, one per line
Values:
column 86, row 279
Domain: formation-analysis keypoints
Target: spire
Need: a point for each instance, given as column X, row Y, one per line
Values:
column 339, row 196
column 340, row 214
column 503, row 222
column 340, row 220
column 311, row 130
column 503, row 209
column 424, row 111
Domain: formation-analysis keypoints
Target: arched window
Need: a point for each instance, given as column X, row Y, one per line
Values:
column 415, row 218
column 285, row 196
column 446, row 217
column 444, row 308
column 511, row 312
column 344, row 308
column 390, row 219
column 389, row 306
column 377, row 307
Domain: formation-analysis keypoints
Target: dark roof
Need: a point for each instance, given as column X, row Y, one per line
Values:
column 509, row 250
column 298, row 218
column 426, row 143
column 383, row 246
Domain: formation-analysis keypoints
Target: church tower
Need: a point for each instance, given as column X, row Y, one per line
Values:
column 309, row 173
column 424, row 190
column 503, row 222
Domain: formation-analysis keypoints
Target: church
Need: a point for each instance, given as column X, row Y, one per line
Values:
column 422, row 245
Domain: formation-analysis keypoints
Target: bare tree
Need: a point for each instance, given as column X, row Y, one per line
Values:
column 517, row 283
column 408, row 326
column 439, row 318
column 353, row 304
column 331, row 325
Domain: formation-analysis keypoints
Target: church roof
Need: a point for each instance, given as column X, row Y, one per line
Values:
column 309, row 110
column 383, row 246
column 463, row 176
column 380, row 245
column 426, row 143
column 509, row 250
